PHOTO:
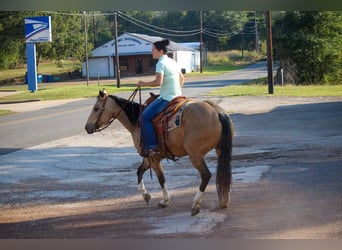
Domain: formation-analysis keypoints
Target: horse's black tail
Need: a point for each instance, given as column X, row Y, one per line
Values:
column 224, row 172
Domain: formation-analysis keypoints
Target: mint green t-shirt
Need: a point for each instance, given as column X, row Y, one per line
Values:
column 170, row 87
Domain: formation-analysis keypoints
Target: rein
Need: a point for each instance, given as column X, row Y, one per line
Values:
column 130, row 99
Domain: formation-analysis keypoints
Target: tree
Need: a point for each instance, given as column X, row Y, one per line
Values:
column 309, row 46
column 67, row 37
column 12, row 40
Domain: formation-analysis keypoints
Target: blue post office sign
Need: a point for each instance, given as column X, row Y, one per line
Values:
column 38, row 29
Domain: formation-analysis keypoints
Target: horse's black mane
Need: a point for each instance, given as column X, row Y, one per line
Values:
column 132, row 109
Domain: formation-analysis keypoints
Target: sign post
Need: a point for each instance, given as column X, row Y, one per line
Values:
column 31, row 76
column 37, row 29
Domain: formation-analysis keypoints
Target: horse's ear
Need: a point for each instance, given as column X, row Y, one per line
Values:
column 102, row 93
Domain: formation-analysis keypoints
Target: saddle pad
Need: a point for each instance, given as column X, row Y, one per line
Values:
column 175, row 121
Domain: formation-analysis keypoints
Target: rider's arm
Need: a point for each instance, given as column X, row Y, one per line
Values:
column 155, row 83
column 181, row 79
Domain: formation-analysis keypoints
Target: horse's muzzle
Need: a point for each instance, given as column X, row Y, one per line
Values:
column 90, row 128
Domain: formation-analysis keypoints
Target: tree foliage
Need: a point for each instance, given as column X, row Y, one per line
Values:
column 309, row 46
column 307, row 43
column 12, row 49
column 67, row 38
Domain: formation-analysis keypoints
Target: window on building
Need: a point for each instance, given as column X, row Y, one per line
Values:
column 124, row 64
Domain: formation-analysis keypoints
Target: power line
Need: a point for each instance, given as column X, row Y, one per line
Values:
column 189, row 33
column 159, row 32
column 63, row 13
column 217, row 35
column 156, row 27
column 165, row 31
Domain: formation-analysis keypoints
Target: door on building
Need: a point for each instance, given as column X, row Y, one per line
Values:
column 139, row 69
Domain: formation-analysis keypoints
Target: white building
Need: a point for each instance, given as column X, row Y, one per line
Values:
column 135, row 57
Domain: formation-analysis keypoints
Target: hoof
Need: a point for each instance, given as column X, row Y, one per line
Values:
column 163, row 204
column 160, row 205
column 195, row 211
column 224, row 204
column 147, row 197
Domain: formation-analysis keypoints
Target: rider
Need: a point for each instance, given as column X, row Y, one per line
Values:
column 170, row 79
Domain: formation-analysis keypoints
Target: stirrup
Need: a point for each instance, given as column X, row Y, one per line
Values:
column 149, row 152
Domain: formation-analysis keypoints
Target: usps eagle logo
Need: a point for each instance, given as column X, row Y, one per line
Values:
column 38, row 29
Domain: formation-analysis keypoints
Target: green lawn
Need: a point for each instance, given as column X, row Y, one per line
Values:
column 80, row 91
column 75, row 90
column 56, row 92
column 215, row 70
column 48, row 67
column 286, row 90
column 6, row 112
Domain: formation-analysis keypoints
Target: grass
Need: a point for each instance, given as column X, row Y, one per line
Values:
column 17, row 76
column 83, row 91
column 75, row 90
column 56, row 92
column 286, row 90
column 225, row 61
column 218, row 63
column 232, row 57
column 6, row 112
column 215, row 70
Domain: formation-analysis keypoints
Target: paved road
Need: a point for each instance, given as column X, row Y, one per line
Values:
column 54, row 122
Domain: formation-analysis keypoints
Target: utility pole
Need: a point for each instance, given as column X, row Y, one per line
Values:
column 201, row 42
column 86, row 45
column 269, row 52
column 117, row 68
column 94, row 30
column 242, row 42
column 256, row 34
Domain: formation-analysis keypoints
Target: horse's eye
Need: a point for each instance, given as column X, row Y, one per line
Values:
column 96, row 108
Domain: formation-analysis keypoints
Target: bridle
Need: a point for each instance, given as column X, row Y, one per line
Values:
column 130, row 99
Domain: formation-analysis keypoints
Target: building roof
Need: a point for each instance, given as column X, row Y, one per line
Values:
column 172, row 47
column 134, row 44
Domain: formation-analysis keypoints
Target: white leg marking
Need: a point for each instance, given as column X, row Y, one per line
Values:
column 143, row 191
column 197, row 199
column 141, row 188
column 166, row 196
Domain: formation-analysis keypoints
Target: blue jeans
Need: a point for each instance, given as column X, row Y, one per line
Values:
column 148, row 135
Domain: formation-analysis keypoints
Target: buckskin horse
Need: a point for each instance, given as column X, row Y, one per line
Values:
column 204, row 126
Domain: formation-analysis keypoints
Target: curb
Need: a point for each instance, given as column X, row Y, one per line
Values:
column 22, row 101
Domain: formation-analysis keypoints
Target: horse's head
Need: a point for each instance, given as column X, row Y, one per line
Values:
column 100, row 115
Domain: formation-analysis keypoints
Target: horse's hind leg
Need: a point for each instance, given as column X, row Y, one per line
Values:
column 201, row 166
column 140, row 173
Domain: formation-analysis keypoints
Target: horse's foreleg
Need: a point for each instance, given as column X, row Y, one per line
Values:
column 141, row 187
column 166, row 197
column 158, row 169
